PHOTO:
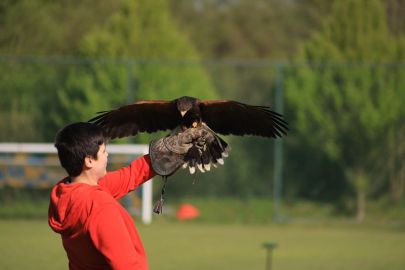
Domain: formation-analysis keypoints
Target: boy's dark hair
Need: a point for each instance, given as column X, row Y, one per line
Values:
column 77, row 141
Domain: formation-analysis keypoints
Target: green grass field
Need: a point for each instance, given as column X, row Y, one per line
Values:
column 173, row 245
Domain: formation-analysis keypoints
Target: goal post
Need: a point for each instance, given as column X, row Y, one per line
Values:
column 113, row 149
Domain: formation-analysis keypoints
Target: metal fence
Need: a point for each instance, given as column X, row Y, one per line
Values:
column 41, row 94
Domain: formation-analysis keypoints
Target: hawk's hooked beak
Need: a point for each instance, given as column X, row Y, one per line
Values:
column 183, row 113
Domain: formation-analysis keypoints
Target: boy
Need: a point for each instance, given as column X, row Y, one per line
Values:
column 97, row 232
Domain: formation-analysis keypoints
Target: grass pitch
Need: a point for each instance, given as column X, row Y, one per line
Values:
column 172, row 245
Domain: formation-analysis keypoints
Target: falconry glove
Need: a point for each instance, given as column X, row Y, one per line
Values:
column 167, row 154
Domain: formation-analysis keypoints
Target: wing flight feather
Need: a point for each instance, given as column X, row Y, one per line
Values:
column 142, row 116
column 231, row 117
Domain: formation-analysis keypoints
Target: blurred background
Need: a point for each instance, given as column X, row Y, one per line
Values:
column 332, row 190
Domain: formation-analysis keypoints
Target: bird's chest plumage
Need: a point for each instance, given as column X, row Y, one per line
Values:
column 191, row 119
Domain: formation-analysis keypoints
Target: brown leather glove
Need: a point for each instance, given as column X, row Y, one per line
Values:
column 167, row 154
column 181, row 142
column 193, row 147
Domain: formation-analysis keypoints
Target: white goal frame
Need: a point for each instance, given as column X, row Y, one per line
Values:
column 129, row 149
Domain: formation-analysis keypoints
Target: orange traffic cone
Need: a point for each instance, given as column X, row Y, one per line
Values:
column 187, row 211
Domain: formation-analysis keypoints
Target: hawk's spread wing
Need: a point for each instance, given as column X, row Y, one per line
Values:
column 142, row 116
column 231, row 117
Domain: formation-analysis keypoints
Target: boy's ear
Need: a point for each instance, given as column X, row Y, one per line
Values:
column 88, row 162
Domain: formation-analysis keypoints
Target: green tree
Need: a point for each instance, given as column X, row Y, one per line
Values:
column 138, row 51
column 249, row 29
column 31, row 32
column 344, row 102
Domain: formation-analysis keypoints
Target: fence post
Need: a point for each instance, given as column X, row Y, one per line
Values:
column 278, row 148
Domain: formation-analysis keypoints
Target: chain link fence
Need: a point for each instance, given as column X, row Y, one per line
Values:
column 337, row 113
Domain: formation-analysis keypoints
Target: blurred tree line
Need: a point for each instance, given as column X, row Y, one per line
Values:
column 338, row 63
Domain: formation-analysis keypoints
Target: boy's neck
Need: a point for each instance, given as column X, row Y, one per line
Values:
column 85, row 178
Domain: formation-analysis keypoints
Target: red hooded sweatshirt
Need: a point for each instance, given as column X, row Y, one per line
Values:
column 97, row 232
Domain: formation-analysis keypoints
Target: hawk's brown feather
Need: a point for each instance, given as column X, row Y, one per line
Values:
column 222, row 116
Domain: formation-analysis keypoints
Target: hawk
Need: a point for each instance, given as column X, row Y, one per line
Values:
column 224, row 117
